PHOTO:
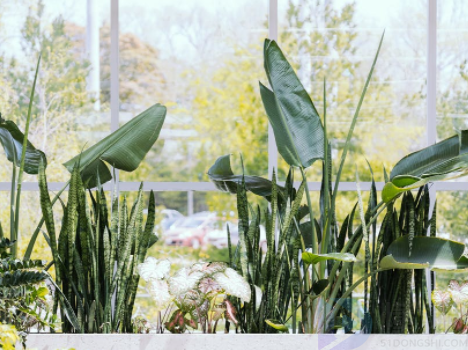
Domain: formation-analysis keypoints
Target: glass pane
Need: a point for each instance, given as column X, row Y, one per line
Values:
column 203, row 61
column 337, row 40
column 71, row 104
column 452, row 71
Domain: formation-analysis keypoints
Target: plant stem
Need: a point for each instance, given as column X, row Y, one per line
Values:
column 12, row 201
column 314, row 241
column 22, row 161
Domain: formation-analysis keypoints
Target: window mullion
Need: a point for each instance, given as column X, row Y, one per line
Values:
column 273, row 35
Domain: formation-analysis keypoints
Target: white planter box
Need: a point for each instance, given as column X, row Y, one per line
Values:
column 245, row 342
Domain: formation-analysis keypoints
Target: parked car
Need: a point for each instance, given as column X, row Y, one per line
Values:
column 219, row 239
column 170, row 217
column 191, row 231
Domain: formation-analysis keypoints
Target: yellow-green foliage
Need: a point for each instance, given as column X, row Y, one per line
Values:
column 8, row 337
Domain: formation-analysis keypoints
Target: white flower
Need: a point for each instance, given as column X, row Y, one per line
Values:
column 258, row 296
column 160, row 292
column 233, row 284
column 154, row 269
column 183, row 281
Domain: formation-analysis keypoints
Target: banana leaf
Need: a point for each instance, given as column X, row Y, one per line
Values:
column 444, row 160
column 427, row 252
column 224, row 179
column 298, row 130
column 124, row 149
column 11, row 138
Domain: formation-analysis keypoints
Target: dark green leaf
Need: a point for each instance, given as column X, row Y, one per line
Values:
column 296, row 123
column 12, row 139
column 124, row 149
column 224, row 179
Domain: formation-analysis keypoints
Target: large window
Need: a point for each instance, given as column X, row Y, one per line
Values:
column 105, row 61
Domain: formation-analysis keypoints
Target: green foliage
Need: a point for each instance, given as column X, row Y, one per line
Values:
column 124, row 149
column 296, row 123
column 456, row 297
column 405, row 236
column 444, row 160
column 23, row 294
column 277, row 273
column 8, row 337
column 95, row 256
column 323, row 234
column 221, row 174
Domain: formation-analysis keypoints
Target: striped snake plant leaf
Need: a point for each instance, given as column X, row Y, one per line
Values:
column 427, row 252
column 127, row 242
column 47, row 212
column 72, row 219
column 149, row 228
column 298, row 130
column 444, row 160
column 223, row 177
column 68, row 310
column 124, row 149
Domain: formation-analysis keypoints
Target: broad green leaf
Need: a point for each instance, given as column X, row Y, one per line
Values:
column 277, row 325
column 11, row 138
column 459, row 292
column 389, row 262
column 296, row 123
column 124, row 149
column 224, row 179
column 442, row 301
column 311, row 258
column 427, row 252
column 444, row 160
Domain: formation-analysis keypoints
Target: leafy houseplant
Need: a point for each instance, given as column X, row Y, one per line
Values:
column 322, row 288
column 83, row 245
column 8, row 337
column 301, row 139
column 399, row 298
column 22, row 293
column 195, row 297
column 455, row 297
column 96, row 254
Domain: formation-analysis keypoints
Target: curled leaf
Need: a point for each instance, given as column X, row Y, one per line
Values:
column 277, row 325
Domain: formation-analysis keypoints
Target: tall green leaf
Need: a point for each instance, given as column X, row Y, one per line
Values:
column 124, row 149
column 296, row 123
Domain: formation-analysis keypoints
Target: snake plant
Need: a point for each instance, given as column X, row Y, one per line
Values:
column 96, row 253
